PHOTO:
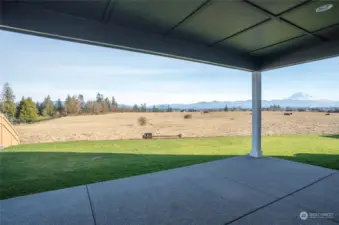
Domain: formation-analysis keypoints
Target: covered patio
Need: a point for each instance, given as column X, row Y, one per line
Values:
column 237, row 190
column 255, row 36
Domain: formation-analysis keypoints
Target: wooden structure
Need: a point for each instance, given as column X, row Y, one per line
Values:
column 8, row 135
column 287, row 114
column 151, row 136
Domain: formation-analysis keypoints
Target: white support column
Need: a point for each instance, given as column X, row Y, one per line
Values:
column 256, row 115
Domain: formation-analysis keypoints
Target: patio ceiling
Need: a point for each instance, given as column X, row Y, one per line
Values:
column 249, row 35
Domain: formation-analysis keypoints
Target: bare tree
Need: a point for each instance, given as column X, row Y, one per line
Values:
column 72, row 105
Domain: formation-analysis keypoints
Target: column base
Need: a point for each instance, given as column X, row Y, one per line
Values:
column 256, row 153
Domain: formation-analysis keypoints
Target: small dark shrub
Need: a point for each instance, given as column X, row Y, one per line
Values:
column 287, row 114
column 205, row 111
column 188, row 116
column 142, row 121
column 327, row 114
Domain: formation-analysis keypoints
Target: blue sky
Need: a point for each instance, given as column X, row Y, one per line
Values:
column 36, row 66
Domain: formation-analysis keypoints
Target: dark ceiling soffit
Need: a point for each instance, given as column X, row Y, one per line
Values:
column 52, row 24
column 322, row 51
column 108, row 10
column 275, row 44
column 257, row 8
column 189, row 16
column 1, row 10
column 279, row 17
column 242, row 31
column 296, row 7
column 271, row 17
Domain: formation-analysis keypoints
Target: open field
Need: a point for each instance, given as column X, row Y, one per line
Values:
column 124, row 125
column 35, row 168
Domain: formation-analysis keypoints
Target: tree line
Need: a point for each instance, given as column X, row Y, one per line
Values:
column 28, row 110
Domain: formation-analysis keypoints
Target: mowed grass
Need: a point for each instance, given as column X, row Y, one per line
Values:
column 27, row 169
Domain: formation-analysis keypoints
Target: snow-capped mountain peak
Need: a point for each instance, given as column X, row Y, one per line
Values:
column 300, row 96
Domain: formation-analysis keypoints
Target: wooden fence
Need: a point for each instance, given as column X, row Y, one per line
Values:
column 8, row 135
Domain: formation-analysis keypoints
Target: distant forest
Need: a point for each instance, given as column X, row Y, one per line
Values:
column 27, row 110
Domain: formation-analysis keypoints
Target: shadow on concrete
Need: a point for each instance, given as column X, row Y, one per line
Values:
column 336, row 136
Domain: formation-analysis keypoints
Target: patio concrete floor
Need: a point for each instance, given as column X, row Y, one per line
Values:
column 237, row 190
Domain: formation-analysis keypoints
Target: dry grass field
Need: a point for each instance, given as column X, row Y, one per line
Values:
column 125, row 125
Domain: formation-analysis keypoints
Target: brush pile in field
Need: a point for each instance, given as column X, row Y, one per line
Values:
column 188, row 116
column 142, row 121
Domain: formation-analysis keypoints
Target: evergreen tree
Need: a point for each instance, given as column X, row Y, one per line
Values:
column 135, row 108
column 100, row 97
column 28, row 111
column 48, row 107
column 37, row 106
column 40, row 108
column 169, row 109
column 155, row 109
column 143, row 107
column 59, row 106
column 226, row 108
column 108, row 104
column 19, row 107
column 7, row 104
column 114, row 104
column 82, row 102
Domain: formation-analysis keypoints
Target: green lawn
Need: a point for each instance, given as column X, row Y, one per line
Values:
column 26, row 169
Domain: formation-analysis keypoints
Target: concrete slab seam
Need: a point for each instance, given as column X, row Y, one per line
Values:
column 249, row 186
column 270, row 203
column 90, row 204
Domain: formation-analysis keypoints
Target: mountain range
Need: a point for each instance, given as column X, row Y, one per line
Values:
column 297, row 100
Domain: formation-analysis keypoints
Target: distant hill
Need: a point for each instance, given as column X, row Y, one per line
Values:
column 299, row 99
column 296, row 100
